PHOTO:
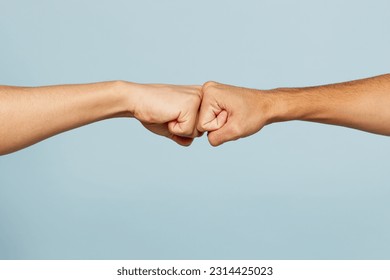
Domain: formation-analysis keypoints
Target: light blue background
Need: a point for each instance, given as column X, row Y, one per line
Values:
column 113, row 190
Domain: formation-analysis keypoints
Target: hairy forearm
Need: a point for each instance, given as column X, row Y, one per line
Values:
column 361, row 104
column 31, row 114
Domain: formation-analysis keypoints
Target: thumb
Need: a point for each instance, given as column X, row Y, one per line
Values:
column 210, row 118
column 226, row 133
column 183, row 129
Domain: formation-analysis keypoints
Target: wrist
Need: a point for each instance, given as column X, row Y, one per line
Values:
column 128, row 93
column 272, row 106
column 288, row 104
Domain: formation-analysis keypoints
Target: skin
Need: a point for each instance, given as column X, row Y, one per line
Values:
column 229, row 113
column 181, row 113
column 31, row 114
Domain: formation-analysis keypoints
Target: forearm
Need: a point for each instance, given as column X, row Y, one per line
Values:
column 362, row 104
column 29, row 115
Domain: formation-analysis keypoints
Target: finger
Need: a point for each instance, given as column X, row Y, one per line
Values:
column 184, row 129
column 226, row 133
column 211, row 117
column 214, row 121
column 183, row 141
column 185, row 125
column 197, row 133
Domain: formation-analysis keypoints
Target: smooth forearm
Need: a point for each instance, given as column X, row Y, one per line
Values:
column 31, row 114
column 362, row 104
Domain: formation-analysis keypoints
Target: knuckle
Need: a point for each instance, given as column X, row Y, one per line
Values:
column 196, row 98
column 192, row 100
column 198, row 92
column 201, row 127
column 235, row 130
column 208, row 85
column 187, row 131
column 213, row 142
column 186, row 143
column 214, row 139
column 199, row 133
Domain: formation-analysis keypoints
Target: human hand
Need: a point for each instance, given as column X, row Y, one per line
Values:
column 168, row 110
column 229, row 113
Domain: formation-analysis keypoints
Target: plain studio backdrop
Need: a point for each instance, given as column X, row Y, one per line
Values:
column 113, row 190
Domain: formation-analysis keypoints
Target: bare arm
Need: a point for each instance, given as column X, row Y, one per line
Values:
column 31, row 114
column 361, row 104
column 229, row 112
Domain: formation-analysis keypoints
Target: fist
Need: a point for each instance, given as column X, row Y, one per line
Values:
column 229, row 113
column 169, row 110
